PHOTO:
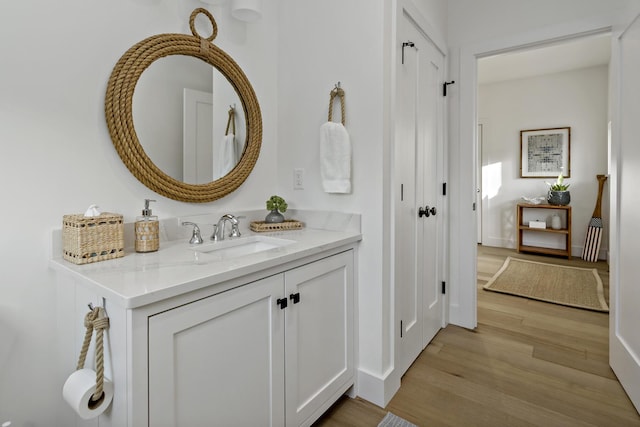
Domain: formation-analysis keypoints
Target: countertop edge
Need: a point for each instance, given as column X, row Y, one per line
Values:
column 130, row 302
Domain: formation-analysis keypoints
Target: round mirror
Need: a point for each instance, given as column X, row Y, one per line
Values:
column 198, row 127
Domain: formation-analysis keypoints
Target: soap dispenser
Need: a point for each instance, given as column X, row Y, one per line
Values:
column 147, row 229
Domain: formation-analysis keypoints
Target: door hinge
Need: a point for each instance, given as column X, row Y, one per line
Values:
column 405, row 44
column 474, row 206
column 282, row 302
column 444, row 188
column 401, row 329
column 401, row 192
column 444, row 287
column 444, row 87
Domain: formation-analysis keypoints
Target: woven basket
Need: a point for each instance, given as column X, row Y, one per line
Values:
column 288, row 224
column 92, row 239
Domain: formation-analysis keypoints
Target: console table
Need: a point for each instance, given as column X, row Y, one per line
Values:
column 566, row 232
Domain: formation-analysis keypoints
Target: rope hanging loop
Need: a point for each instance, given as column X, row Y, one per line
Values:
column 97, row 320
column 192, row 24
column 339, row 92
column 231, row 121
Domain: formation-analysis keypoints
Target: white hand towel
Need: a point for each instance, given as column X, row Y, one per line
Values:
column 225, row 159
column 335, row 158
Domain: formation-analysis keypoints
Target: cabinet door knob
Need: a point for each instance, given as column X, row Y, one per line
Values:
column 295, row 298
column 282, row 302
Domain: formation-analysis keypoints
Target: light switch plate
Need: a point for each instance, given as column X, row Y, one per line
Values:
column 298, row 179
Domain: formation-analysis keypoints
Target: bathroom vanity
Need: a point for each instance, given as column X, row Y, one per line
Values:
column 258, row 333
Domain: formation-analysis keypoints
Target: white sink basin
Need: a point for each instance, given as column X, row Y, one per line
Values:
column 234, row 248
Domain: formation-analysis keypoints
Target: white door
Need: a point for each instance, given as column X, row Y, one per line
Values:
column 219, row 361
column 318, row 337
column 197, row 160
column 624, row 340
column 418, row 169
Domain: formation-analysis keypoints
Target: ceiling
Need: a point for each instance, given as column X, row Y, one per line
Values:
column 569, row 55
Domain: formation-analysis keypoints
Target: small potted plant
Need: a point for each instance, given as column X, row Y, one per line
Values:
column 277, row 206
column 559, row 192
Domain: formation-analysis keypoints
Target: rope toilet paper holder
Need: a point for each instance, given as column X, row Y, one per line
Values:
column 96, row 319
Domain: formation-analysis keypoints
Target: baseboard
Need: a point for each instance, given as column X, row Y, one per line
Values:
column 576, row 251
column 377, row 389
column 498, row 242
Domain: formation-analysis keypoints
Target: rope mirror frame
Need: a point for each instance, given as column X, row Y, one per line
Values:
column 118, row 112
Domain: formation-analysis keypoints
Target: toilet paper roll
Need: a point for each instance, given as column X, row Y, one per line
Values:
column 79, row 388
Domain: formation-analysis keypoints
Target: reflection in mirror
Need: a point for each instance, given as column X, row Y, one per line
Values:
column 181, row 113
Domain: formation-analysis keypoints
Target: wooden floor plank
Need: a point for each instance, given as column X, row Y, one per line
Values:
column 528, row 363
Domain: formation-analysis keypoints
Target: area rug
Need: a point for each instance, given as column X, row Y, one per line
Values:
column 571, row 286
column 391, row 420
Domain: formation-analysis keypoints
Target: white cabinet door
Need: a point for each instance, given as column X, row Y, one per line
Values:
column 319, row 336
column 219, row 361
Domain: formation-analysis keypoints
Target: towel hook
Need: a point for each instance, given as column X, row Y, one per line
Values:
column 337, row 91
column 231, row 120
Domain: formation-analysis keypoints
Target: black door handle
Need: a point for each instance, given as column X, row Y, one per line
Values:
column 427, row 211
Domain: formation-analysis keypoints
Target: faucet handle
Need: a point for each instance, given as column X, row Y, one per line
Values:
column 214, row 236
column 235, row 223
column 196, row 237
column 235, row 231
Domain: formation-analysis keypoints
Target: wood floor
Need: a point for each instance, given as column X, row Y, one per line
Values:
column 528, row 363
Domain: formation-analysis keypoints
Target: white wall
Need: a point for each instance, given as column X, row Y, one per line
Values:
column 57, row 157
column 578, row 99
column 473, row 21
column 320, row 44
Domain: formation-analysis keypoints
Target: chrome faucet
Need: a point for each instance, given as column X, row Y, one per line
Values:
column 196, row 237
column 218, row 229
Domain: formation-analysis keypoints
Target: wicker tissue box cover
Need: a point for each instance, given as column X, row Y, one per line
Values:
column 288, row 224
column 92, row 239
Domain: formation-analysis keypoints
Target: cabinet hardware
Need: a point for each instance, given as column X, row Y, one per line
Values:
column 282, row 302
column 295, row 298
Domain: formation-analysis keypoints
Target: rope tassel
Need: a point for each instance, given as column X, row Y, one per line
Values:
column 97, row 320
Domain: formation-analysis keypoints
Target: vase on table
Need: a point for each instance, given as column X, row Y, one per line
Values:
column 559, row 198
column 274, row 217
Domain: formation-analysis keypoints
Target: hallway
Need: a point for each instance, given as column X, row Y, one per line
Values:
column 528, row 363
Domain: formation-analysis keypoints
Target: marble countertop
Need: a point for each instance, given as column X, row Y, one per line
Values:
column 138, row 279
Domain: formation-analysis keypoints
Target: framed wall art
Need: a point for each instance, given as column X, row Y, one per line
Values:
column 544, row 153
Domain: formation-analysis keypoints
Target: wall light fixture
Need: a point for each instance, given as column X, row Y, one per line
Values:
column 246, row 10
